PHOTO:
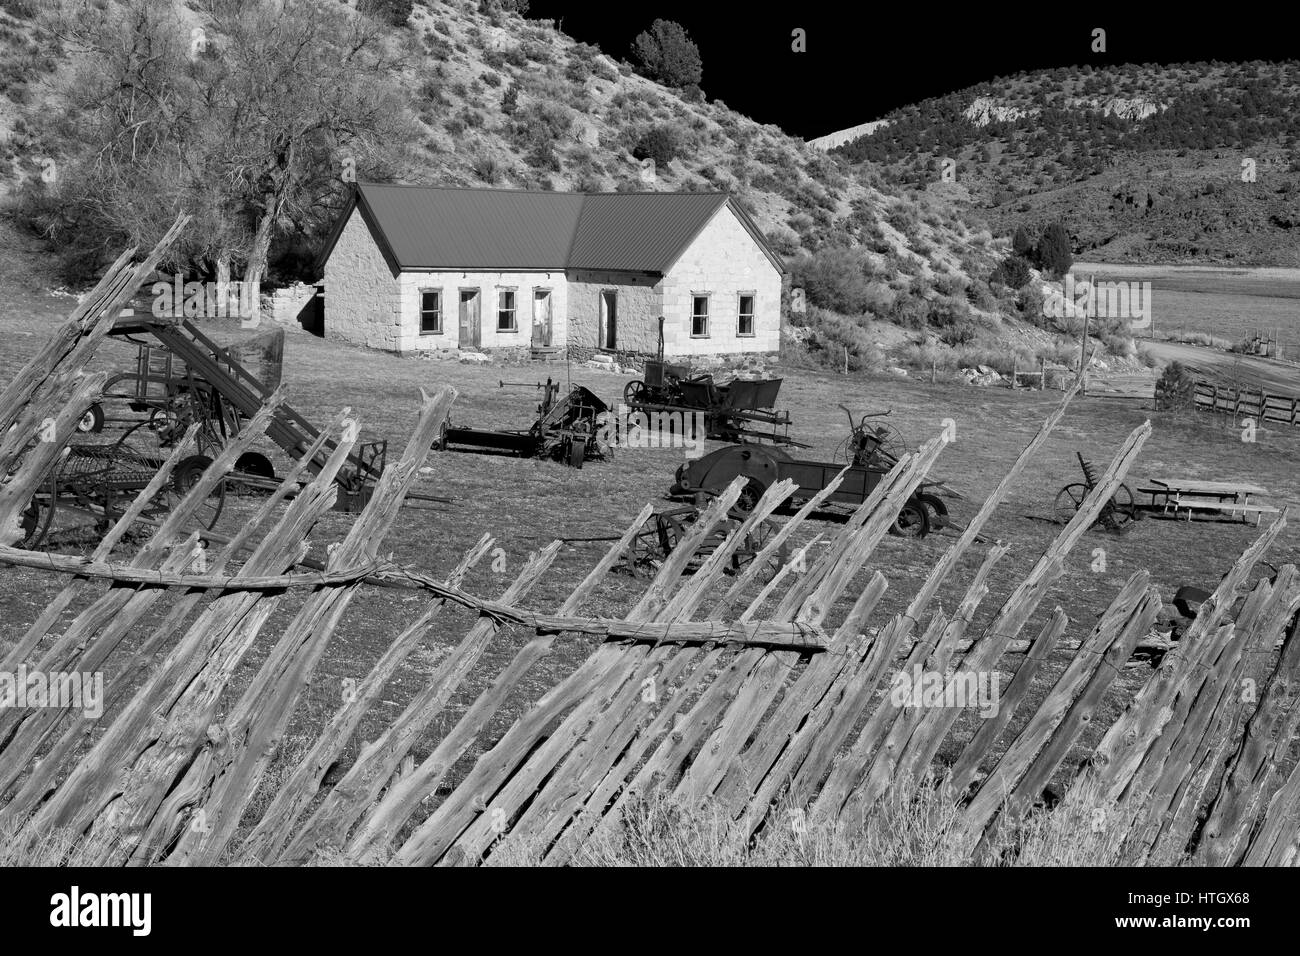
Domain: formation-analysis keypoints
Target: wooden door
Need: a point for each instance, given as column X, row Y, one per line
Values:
column 608, row 320
column 542, row 318
column 470, row 328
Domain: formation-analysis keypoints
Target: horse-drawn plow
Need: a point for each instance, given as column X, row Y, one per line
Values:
column 713, row 687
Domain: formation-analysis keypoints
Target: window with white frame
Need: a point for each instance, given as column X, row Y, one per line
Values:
column 506, row 311
column 745, row 314
column 699, row 315
column 430, row 311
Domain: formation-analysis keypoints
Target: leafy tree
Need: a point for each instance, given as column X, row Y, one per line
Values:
column 1176, row 388
column 662, row 143
column 1013, row 271
column 395, row 12
column 1023, row 242
column 1054, row 254
column 666, row 53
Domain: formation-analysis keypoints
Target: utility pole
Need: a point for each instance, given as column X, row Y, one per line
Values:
column 1083, row 335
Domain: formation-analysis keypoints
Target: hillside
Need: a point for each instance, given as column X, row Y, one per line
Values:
column 489, row 98
column 1143, row 163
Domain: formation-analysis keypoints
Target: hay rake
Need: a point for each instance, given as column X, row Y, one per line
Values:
column 1119, row 511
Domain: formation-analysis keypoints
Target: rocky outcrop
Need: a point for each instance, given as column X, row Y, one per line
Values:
column 985, row 110
column 1137, row 108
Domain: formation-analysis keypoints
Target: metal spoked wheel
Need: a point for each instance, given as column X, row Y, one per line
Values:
column 749, row 496
column 755, row 542
column 1115, row 515
column 1068, row 500
column 1121, row 510
column 634, row 392
column 884, row 444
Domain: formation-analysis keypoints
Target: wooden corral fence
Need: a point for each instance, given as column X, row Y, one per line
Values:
column 711, row 688
column 1247, row 403
column 1138, row 386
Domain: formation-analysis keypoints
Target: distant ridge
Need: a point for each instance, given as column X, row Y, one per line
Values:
column 840, row 137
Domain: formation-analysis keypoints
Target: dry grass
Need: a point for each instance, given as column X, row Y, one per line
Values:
column 899, row 832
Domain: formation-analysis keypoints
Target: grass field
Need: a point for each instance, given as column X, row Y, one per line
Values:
column 1226, row 302
column 526, row 504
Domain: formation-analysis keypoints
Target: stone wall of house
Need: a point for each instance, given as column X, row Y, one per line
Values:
column 488, row 285
column 361, row 293
column 723, row 262
column 638, row 310
column 297, row 304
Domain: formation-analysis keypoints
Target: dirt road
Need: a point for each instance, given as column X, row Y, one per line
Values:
column 1250, row 370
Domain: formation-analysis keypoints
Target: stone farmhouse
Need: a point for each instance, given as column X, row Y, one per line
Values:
column 411, row 268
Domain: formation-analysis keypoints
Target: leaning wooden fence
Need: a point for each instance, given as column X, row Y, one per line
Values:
column 1247, row 403
column 712, row 687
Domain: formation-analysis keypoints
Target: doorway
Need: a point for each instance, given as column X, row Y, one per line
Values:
column 471, row 333
column 608, row 320
column 541, row 318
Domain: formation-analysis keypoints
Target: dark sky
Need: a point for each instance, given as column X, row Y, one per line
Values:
column 865, row 59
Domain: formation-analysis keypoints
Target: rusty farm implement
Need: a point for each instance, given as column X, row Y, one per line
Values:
column 185, row 392
column 1117, row 513
column 741, row 410
column 872, row 450
column 566, row 429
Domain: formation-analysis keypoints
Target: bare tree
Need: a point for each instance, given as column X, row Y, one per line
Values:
column 249, row 114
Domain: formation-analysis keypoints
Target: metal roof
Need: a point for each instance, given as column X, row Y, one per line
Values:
column 430, row 227
column 435, row 228
column 639, row 232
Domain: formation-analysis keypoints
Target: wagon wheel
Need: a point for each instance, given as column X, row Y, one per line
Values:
column 891, row 441
column 749, row 496
column 185, row 476
column 755, row 542
column 70, row 506
column 37, row 517
column 134, row 459
column 913, row 521
column 1120, row 511
column 671, row 530
column 634, row 393
column 1068, row 501
column 643, row 551
column 1115, row 515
